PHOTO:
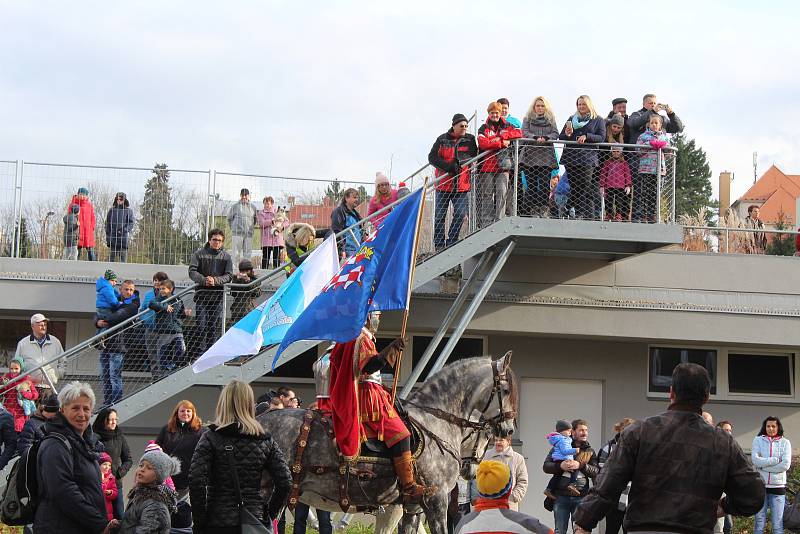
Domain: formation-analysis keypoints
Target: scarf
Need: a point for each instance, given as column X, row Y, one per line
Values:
column 540, row 120
column 577, row 123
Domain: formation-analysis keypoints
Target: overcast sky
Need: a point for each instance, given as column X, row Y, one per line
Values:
column 324, row 89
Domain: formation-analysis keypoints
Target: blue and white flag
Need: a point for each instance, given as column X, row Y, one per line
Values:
column 269, row 322
column 377, row 277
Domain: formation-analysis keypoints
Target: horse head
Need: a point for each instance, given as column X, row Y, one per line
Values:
column 478, row 395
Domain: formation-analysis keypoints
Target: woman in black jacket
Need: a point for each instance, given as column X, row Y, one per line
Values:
column 581, row 158
column 119, row 224
column 70, row 495
column 178, row 438
column 115, row 444
column 214, row 502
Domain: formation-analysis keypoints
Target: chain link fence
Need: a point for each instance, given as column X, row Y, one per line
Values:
column 568, row 180
column 740, row 240
column 8, row 207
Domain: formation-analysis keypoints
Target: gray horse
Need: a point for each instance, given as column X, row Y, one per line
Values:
column 456, row 410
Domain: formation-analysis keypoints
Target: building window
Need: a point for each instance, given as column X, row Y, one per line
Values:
column 760, row 374
column 663, row 361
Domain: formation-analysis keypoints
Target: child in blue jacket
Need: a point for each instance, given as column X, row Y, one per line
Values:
column 107, row 296
column 561, row 441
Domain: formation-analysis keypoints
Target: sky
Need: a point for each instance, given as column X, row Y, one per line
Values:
column 344, row 89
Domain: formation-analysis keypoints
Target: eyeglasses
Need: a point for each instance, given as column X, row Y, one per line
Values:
column 217, row 240
column 462, row 125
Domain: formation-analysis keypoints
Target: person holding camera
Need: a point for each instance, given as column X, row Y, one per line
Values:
column 639, row 120
column 503, row 452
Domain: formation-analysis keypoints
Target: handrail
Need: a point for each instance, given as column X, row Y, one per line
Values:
column 528, row 141
column 738, row 229
column 89, row 341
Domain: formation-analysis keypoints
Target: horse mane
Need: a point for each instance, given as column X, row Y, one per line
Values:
column 435, row 385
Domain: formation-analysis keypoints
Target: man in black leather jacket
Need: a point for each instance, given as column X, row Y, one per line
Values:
column 678, row 466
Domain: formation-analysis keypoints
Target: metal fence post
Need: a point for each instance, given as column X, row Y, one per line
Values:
column 210, row 199
column 674, row 208
column 18, row 178
column 658, row 185
column 727, row 239
column 515, row 179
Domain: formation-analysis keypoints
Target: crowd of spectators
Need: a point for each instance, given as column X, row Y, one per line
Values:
column 608, row 483
column 599, row 181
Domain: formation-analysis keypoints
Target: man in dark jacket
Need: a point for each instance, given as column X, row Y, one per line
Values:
column 449, row 155
column 113, row 353
column 344, row 216
column 119, row 224
column 678, row 466
column 620, row 105
column 8, row 437
column 639, row 119
column 585, row 463
column 211, row 268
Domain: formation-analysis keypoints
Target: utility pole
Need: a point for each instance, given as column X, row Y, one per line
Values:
column 755, row 167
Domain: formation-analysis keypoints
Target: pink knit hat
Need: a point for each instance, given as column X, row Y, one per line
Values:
column 381, row 178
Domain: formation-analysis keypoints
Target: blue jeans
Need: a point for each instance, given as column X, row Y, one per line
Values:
column 562, row 511
column 775, row 504
column 111, row 376
column 443, row 200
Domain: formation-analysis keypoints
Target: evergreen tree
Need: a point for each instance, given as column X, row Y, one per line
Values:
column 25, row 244
column 781, row 244
column 155, row 232
column 692, row 179
column 334, row 191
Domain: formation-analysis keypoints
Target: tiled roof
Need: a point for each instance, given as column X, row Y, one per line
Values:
column 776, row 192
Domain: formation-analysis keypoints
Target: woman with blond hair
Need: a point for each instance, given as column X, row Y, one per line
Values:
column 178, row 438
column 537, row 157
column 583, row 128
column 228, row 465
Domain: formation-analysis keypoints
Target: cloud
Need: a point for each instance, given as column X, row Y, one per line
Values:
column 342, row 89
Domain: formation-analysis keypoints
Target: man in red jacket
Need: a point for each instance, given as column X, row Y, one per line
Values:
column 448, row 155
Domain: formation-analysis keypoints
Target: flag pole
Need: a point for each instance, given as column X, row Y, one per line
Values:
column 413, row 268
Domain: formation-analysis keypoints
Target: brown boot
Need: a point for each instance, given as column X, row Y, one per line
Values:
column 412, row 492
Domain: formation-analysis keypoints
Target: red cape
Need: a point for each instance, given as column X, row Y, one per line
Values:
column 344, row 399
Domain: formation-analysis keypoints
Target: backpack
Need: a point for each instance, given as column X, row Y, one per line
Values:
column 21, row 495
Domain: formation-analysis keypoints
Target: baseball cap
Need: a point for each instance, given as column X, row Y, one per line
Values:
column 38, row 318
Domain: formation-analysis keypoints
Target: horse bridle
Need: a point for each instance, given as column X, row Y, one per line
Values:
column 483, row 424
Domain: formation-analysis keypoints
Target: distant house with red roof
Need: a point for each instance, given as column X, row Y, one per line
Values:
column 774, row 192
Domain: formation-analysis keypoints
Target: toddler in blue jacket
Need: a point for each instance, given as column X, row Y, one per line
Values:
column 561, row 441
column 107, row 296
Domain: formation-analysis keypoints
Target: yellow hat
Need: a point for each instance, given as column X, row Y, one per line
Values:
column 493, row 478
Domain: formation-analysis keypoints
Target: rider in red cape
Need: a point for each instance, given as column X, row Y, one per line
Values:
column 358, row 396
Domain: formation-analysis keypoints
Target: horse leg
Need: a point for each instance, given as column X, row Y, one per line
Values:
column 386, row 522
column 436, row 512
column 410, row 523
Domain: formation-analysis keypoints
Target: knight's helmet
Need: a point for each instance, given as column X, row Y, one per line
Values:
column 322, row 374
